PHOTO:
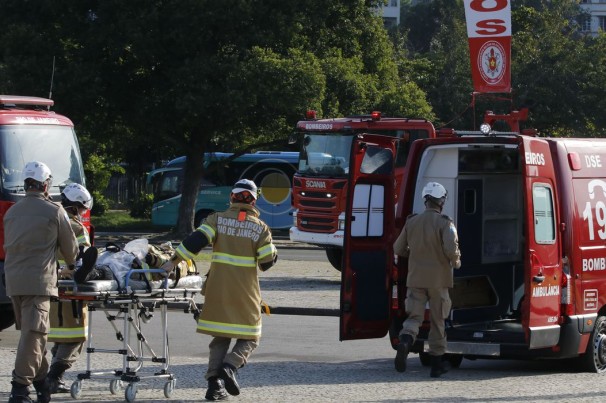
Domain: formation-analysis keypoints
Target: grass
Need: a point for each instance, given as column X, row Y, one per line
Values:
column 121, row 221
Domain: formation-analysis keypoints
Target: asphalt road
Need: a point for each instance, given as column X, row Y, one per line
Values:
column 301, row 359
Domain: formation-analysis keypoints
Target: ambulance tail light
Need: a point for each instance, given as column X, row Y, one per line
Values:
column 566, row 295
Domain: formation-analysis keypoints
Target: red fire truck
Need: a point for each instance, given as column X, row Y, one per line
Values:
column 319, row 185
column 531, row 217
column 29, row 131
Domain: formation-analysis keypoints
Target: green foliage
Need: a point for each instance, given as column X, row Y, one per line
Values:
column 141, row 205
column 119, row 221
column 100, row 204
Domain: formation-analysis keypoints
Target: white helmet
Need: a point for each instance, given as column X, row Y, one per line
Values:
column 37, row 171
column 78, row 194
column 245, row 185
column 434, row 190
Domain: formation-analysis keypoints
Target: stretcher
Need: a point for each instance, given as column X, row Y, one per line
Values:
column 133, row 306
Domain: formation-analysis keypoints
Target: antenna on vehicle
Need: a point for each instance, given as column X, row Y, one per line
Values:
column 50, row 92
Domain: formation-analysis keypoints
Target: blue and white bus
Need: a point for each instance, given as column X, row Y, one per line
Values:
column 272, row 171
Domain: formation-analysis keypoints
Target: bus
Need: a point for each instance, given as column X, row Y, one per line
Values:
column 272, row 171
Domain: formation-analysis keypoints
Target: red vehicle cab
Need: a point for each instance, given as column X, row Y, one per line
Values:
column 29, row 131
column 319, row 185
column 531, row 217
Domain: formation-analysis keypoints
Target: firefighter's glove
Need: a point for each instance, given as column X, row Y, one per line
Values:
column 457, row 264
column 168, row 267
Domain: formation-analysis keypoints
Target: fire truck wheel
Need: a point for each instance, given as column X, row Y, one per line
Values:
column 335, row 257
column 594, row 359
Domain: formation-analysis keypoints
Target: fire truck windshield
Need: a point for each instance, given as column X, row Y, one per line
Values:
column 325, row 154
column 56, row 146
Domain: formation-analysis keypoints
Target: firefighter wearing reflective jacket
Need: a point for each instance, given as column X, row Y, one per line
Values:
column 430, row 242
column 68, row 320
column 232, row 303
column 34, row 229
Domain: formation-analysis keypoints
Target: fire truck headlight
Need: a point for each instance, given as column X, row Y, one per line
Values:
column 328, row 195
column 341, row 225
column 485, row 128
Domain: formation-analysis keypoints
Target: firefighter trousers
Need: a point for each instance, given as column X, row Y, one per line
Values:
column 31, row 317
column 218, row 354
column 439, row 309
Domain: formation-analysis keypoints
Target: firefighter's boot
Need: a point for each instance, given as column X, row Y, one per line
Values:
column 55, row 378
column 403, row 349
column 228, row 374
column 215, row 390
column 19, row 393
column 42, row 390
column 437, row 366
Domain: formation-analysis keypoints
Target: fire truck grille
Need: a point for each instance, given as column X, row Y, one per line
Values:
column 320, row 195
column 318, row 203
column 317, row 224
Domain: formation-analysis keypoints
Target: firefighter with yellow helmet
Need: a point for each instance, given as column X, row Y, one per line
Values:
column 232, row 304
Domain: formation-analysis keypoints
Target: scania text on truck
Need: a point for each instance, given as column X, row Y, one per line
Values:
column 531, row 217
column 29, row 131
column 319, row 185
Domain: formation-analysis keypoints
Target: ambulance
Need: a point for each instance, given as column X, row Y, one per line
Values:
column 531, row 217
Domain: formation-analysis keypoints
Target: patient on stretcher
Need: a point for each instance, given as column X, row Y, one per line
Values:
column 114, row 264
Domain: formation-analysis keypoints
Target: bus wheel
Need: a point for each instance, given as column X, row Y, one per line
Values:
column 335, row 257
column 594, row 359
column 7, row 316
column 201, row 215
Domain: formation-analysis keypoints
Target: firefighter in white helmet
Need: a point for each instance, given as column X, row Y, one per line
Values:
column 34, row 228
column 430, row 242
column 68, row 321
column 232, row 299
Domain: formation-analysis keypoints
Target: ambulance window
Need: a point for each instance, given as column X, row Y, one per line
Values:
column 544, row 225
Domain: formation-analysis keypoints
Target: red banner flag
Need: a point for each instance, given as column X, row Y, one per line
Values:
column 489, row 33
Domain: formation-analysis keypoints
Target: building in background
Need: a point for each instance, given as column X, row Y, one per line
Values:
column 596, row 20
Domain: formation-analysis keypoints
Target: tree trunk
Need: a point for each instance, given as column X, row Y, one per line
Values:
column 192, row 178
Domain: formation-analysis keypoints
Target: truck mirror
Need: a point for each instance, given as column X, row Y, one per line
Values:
column 292, row 138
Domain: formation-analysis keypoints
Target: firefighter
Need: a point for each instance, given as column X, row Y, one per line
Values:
column 430, row 242
column 68, row 320
column 34, row 229
column 232, row 303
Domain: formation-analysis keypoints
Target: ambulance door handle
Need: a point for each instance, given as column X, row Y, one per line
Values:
column 538, row 279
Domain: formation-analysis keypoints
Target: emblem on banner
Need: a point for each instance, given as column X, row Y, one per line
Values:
column 492, row 62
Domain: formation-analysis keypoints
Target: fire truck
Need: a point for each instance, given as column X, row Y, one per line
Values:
column 320, row 183
column 29, row 131
column 531, row 218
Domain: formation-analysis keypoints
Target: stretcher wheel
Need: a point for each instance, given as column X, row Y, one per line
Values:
column 115, row 386
column 75, row 389
column 169, row 387
column 131, row 392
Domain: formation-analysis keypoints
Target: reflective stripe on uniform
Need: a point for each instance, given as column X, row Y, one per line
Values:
column 184, row 253
column 229, row 328
column 67, row 333
column 208, row 231
column 266, row 251
column 83, row 239
column 234, row 260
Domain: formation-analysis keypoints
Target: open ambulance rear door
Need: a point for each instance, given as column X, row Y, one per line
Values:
column 543, row 266
column 368, row 246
